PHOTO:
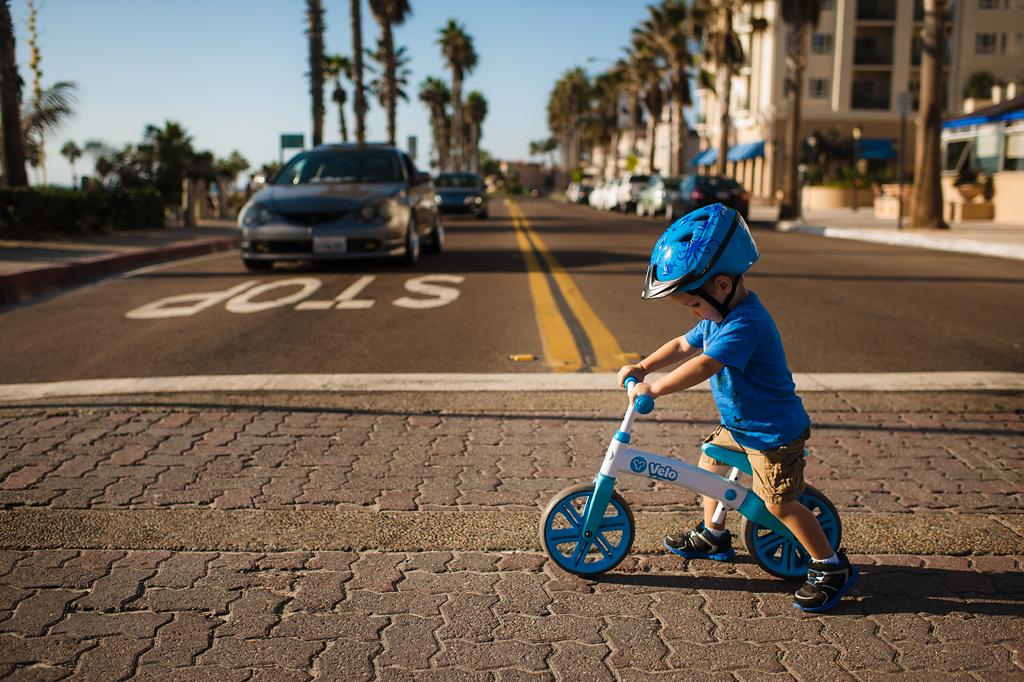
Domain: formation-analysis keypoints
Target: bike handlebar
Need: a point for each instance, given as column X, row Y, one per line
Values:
column 643, row 403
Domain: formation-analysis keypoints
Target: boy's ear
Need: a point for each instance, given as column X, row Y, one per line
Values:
column 723, row 283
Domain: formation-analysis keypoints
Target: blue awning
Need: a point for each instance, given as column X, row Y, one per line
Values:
column 705, row 158
column 877, row 149
column 1011, row 110
column 743, row 152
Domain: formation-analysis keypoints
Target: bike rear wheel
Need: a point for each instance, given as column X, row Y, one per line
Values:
column 561, row 532
column 785, row 558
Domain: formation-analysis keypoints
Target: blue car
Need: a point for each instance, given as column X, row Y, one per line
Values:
column 461, row 193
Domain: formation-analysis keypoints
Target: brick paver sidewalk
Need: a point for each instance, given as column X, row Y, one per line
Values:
column 71, row 607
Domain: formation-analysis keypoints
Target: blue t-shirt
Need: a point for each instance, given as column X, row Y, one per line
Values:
column 754, row 392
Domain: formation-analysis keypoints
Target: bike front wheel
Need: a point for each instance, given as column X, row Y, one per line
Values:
column 561, row 532
column 785, row 558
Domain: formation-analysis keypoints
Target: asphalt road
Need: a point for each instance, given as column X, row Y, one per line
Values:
column 841, row 306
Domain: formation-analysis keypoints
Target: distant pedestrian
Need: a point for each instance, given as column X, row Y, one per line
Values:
column 699, row 263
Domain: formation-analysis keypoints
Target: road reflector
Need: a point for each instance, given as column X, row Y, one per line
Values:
column 631, row 356
column 521, row 358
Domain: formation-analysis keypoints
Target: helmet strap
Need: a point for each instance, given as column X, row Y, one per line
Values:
column 722, row 307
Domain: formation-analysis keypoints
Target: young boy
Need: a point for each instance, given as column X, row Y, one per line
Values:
column 699, row 263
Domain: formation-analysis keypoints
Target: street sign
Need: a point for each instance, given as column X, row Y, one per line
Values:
column 904, row 103
column 292, row 142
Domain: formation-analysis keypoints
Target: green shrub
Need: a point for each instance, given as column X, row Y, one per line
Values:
column 35, row 212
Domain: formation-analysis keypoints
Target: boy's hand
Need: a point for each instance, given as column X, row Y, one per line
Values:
column 640, row 389
column 635, row 371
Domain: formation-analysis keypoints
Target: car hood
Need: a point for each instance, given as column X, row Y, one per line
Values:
column 312, row 198
column 458, row 191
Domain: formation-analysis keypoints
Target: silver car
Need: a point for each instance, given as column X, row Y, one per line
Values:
column 342, row 202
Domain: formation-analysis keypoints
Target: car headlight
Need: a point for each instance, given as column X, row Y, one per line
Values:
column 256, row 216
column 381, row 211
column 478, row 200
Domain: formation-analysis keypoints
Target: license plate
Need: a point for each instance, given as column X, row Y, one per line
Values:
column 724, row 195
column 329, row 244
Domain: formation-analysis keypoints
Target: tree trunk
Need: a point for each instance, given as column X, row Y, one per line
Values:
column 14, row 173
column 652, row 133
column 724, row 95
column 927, row 157
column 390, row 87
column 457, row 141
column 316, row 67
column 679, row 134
column 796, row 49
column 359, row 98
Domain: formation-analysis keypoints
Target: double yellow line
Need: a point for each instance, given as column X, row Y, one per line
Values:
column 562, row 350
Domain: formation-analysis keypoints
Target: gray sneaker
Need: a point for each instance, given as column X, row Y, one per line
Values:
column 826, row 584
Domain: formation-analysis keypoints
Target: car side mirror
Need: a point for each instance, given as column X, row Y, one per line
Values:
column 422, row 178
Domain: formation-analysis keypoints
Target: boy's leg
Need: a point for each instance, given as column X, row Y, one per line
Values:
column 779, row 481
column 700, row 543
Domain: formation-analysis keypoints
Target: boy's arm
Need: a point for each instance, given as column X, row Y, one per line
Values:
column 691, row 373
column 672, row 352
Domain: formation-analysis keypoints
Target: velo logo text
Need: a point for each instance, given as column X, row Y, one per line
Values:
column 659, row 471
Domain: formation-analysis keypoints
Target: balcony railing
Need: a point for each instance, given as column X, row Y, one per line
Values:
column 876, row 10
column 870, row 101
column 868, row 57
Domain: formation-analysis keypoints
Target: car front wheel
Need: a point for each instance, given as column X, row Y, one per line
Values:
column 435, row 244
column 412, row 245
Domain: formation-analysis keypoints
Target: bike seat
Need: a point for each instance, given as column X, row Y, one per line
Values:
column 730, row 457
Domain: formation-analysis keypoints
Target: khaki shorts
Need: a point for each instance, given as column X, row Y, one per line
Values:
column 778, row 473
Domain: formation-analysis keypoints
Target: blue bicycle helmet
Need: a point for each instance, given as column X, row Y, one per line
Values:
column 713, row 240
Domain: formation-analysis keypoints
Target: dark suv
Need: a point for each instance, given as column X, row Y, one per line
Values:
column 461, row 193
column 344, row 201
column 696, row 191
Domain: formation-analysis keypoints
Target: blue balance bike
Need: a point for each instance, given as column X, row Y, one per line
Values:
column 588, row 529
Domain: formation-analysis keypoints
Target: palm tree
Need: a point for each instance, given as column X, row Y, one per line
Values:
column 14, row 173
column 49, row 110
column 337, row 67
column 714, row 21
column 315, row 31
column 651, row 77
column 389, row 13
column 569, row 100
column 378, row 85
column 476, row 112
column 602, row 125
column 359, row 101
column 226, row 172
column 457, row 49
column 669, row 31
column 172, row 155
column 927, row 157
column 435, row 94
column 72, row 152
column 802, row 17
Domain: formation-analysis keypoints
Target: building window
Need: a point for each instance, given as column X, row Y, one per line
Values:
column 988, row 4
column 819, row 88
column 821, row 43
column 985, row 43
column 1012, row 44
column 1014, row 152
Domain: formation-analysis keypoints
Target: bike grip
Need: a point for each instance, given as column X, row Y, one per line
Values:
column 643, row 404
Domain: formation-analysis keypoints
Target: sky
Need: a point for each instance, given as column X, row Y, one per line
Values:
column 233, row 72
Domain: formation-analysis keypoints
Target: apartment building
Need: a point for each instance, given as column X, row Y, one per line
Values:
column 863, row 53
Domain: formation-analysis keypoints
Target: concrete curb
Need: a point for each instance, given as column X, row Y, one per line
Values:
column 907, row 238
column 24, row 285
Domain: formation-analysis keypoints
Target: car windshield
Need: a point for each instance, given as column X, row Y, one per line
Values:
column 370, row 165
column 673, row 181
column 457, row 182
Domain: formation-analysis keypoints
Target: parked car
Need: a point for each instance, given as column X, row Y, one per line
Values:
column 343, row 201
column 578, row 193
column 629, row 190
column 657, row 195
column 610, row 195
column 696, row 191
column 461, row 193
